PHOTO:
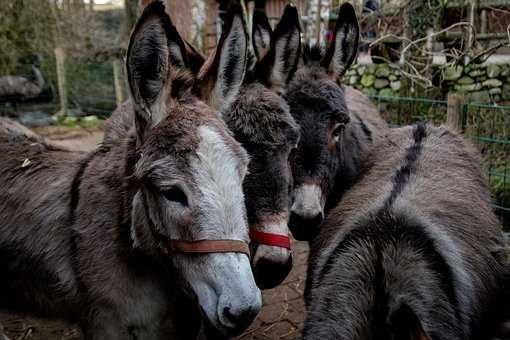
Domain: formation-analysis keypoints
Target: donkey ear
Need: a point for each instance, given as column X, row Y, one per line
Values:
column 221, row 78
column 261, row 33
column 343, row 47
column 279, row 64
column 155, row 52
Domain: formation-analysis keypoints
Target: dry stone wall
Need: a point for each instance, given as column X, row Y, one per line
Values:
column 482, row 83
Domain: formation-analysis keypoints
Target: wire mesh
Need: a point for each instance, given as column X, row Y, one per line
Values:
column 89, row 84
column 488, row 126
column 399, row 111
column 91, row 88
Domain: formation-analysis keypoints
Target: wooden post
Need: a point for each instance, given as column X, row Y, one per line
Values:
column 472, row 10
column 455, row 111
column 483, row 21
column 61, row 79
column 117, row 82
column 318, row 21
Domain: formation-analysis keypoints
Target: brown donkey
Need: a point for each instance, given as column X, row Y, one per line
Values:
column 413, row 251
column 245, row 94
column 103, row 239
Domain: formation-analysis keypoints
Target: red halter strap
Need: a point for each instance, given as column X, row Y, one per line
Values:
column 208, row 246
column 270, row 239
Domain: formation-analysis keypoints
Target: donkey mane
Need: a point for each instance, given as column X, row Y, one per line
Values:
column 260, row 116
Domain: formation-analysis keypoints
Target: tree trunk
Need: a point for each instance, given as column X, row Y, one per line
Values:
column 209, row 29
column 180, row 12
column 131, row 10
column 318, row 21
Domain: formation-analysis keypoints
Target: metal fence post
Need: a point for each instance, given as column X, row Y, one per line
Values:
column 117, row 82
column 61, row 79
column 455, row 111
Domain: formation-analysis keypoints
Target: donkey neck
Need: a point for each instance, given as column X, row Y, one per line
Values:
column 106, row 170
column 364, row 133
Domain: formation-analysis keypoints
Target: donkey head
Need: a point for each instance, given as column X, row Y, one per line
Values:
column 259, row 119
column 317, row 102
column 188, row 176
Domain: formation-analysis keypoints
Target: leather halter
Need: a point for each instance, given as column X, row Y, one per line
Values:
column 208, row 246
column 270, row 239
column 199, row 246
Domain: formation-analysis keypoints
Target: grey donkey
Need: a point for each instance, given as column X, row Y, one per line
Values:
column 84, row 237
column 413, row 250
column 259, row 119
column 338, row 125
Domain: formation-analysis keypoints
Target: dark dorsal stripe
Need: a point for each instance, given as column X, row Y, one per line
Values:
column 364, row 127
column 386, row 229
column 401, row 177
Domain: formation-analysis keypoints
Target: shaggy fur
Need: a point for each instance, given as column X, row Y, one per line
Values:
column 413, row 251
column 82, row 236
column 339, row 126
column 260, row 120
column 319, row 106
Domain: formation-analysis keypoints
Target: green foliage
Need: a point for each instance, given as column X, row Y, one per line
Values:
column 29, row 27
column 25, row 29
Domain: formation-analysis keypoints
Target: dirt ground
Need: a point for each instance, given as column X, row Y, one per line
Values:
column 282, row 314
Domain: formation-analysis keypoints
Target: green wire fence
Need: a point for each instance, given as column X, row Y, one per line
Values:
column 488, row 126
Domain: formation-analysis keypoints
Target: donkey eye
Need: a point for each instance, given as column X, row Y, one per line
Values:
column 338, row 129
column 175, row 194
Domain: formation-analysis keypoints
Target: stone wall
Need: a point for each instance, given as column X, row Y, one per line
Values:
column 375, row 79
column 483, row 83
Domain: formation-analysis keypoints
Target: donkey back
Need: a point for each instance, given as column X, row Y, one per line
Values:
column 413, row 251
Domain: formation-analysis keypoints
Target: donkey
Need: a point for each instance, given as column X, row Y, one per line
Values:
column 105, row 240
column 339, row 126
column 413, row 251
column 260, row 120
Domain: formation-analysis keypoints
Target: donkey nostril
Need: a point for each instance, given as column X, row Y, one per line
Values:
column 240, row 318
column 305, row 227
